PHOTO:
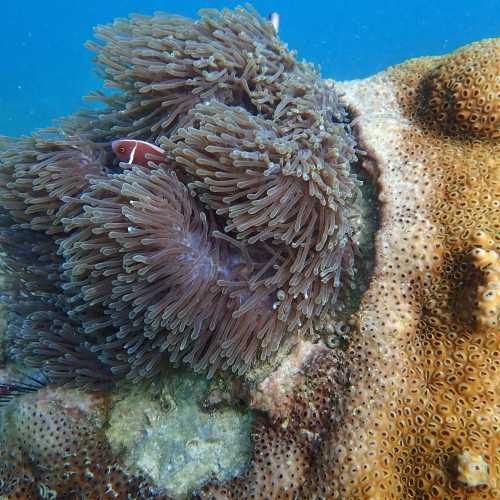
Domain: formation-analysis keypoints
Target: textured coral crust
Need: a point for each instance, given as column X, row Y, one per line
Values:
column 463, row 92
column 487, row 260
column 53, row 444
column 425, row 372
column 420, row 417
column 285, row 444
column 16, row 481
column 275, row 394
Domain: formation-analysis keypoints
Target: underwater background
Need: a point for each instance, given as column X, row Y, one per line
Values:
column 266, row 220
column 46, row 69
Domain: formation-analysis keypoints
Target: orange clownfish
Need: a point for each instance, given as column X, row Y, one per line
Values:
column 134, row 151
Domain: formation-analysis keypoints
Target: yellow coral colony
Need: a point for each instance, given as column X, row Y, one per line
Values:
column 487, row 260
column 424, row 400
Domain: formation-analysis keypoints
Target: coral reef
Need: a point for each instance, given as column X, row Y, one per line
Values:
column 164, row 432
column 53, row 445
column 287, row 436
column 243, row 235
column 419, row 415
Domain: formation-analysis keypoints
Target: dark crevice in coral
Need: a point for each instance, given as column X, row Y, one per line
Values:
column 335, row 329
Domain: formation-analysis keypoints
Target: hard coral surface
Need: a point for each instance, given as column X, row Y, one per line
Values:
column 431, row 390
column 418, row 414
column 162, row 432
column 287, row 437
column 461, row 93
column 52, row 445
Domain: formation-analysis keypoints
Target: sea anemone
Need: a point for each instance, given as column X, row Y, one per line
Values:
column 164, row 65
column 170, row 280
column 10, row 388
column 40, row 330
column 242, row 235
column 38, row 171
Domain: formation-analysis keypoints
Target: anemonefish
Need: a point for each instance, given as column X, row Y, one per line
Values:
column 274, row 19
column 134, row 151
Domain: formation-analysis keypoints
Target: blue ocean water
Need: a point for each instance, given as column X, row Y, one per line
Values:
column 46, row 69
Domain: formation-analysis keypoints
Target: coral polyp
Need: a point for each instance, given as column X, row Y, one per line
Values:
column 237, row 235
column 53, row 444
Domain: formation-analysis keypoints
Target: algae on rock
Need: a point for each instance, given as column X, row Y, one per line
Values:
column 162, row 431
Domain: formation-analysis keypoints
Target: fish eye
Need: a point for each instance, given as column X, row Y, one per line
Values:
column 121, row 149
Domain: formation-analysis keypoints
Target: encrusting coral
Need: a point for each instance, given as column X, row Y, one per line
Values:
column 486, row 259
column 53, row 445
column 431, row 391
column 419, row 416
column 215, row 253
